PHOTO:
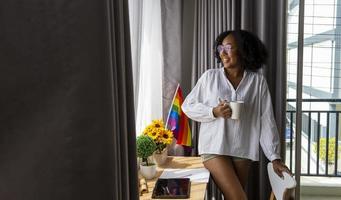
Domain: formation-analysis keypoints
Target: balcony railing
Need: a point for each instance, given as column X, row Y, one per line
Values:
column 321, row 148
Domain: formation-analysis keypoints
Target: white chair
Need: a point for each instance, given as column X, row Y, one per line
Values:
column 281, row 187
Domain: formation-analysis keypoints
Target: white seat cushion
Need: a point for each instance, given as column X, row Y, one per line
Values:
column 280, row 185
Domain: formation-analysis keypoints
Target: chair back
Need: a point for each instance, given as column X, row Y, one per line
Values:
column 280, row 185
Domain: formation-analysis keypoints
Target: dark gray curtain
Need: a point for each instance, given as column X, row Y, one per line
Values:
column 177, row 17
column 267, row 19
column 66, row 103
column 171, row 15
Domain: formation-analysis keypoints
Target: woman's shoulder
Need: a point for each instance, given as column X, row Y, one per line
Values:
column 208, row 75
column 211, row 72
column 256, row 75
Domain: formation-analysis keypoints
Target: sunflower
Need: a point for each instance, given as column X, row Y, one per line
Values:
column 147, row 130
column 161, row 135
column 158, row 123
column 157, row 134
column 167, row 136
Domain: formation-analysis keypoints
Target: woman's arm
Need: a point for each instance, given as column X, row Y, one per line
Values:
column 193, row 105
column 269, row 138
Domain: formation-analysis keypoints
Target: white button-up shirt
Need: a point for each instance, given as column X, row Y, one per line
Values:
column 240, row 138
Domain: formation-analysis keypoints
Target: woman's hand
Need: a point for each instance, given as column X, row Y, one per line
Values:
column 222, row 110
column 280, row 167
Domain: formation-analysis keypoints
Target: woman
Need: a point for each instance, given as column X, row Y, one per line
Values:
column 228, row 146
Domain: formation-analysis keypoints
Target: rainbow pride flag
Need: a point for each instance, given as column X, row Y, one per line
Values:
column 177, row 121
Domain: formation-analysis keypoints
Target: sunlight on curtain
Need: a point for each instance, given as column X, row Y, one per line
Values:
column 135, row 22
column 149, row 81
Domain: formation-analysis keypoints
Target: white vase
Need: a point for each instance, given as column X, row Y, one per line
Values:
column 149, row 171
column 160, row 158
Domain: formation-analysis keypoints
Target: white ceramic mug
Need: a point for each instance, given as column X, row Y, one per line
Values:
column 237, row 108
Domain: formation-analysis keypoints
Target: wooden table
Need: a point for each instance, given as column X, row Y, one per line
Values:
column 177, row 162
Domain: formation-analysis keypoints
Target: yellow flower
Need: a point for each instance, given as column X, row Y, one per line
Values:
column 158, row 123
column 167, row 136
column 161, row 136
column 147, row 130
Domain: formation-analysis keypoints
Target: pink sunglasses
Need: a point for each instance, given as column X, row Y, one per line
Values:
column 224, row 48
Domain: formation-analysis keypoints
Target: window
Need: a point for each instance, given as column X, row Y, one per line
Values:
column 321, row 86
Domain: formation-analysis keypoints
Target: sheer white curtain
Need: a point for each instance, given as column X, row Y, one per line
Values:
column 135, row 22
column 148, row 60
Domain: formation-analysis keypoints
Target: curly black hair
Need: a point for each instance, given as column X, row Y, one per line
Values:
column 250, row 49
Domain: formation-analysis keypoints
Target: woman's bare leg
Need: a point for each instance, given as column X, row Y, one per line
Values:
column 242, row 169
column 225, row 177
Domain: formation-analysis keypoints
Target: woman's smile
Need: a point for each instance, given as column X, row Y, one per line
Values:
column 225, row 60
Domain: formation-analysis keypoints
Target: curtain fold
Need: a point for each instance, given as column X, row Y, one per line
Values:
column 172, row 45
column 148, row 63
column 67, row 113
column 171, row 15
column 267, row 19
column 135, row 19
column 122, row 93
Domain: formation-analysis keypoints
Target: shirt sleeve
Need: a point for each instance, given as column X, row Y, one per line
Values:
column 269, row 137
column 193, row 106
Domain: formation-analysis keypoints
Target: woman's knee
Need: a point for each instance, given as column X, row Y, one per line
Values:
column 236, row 195
column 224, row 175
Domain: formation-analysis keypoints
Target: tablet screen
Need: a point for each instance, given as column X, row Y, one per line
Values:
column 173, row 188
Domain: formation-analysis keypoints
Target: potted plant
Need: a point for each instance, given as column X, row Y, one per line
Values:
column 145, row 147
column 331, row 151
column 162, row 138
